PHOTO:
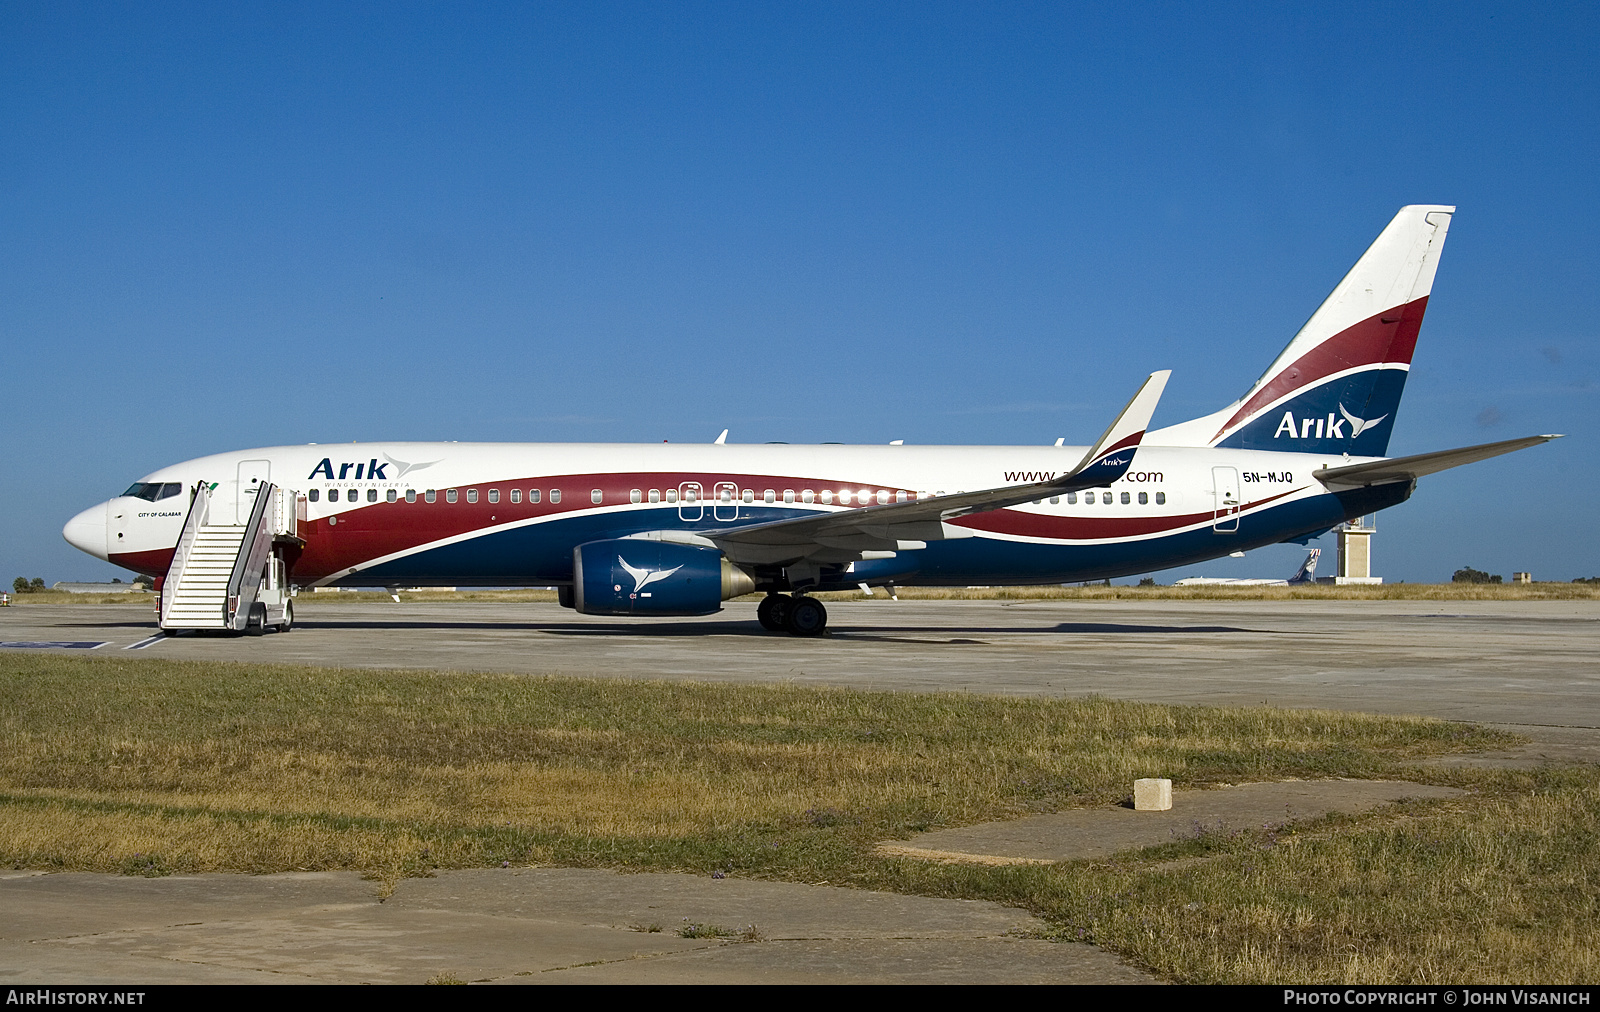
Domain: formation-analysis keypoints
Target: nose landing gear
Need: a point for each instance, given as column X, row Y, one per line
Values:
column 798, row 615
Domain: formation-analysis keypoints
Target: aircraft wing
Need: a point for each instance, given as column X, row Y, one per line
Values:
column 891, row 525
column 1380, row 472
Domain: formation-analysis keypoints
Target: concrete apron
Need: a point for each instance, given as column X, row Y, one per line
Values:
column 514, row 926
column 1100, row 832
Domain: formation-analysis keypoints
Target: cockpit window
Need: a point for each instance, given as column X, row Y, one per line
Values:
column 153, row 491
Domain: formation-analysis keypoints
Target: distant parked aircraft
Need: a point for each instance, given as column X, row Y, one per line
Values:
column 1307, row 573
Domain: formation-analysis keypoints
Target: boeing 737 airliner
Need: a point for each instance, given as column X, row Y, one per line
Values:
column 669, row 529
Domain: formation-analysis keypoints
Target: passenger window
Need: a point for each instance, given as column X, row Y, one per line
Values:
column 1144, row 498
column 450, row 495
column 472, row 495
column 494, row 495
column 1055, row 500
column 596, row 496
column 672, row 495
column 864, row 497
column 1072, row 498
column 1105, row 497
column 516, row 495
column 655, row 495
column 1126, row 498
column 788, row 495
column 808, row 496
column 534, row 495
column 901, row 496
column 372, row 495
column 636, row 496
column 749, row 495
column 411, row 495
column 769, row 496
column 555, row 495
column 1161, row 498
column 431, row 495
column 314, row 495
column 844, row 497
column 883, row 497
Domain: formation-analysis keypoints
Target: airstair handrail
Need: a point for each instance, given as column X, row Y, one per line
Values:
column 244, row 582
column 199, row 513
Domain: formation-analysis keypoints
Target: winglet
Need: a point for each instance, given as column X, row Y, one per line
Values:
column 1110, row 457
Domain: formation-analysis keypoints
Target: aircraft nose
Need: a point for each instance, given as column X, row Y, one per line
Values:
column 87, row 531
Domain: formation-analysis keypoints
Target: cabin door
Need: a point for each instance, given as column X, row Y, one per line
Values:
column 252, row 475
column 1225, row 517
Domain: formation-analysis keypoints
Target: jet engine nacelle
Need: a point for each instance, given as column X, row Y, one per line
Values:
column 634, row 576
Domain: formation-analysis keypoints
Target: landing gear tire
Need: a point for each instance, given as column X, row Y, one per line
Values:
column 288, row 617
column 772, row 611
column 806, row 617
column 256, row 624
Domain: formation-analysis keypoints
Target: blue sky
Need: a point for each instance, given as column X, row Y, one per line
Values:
column 945, row 223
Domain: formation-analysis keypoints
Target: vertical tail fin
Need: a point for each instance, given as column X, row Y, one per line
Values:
column 1307, row 573
column 1337, row 386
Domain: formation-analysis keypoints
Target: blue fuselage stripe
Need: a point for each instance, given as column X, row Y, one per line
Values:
column 541, row 554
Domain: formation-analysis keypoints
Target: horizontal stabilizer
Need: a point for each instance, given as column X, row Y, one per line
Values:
column 1379, row 472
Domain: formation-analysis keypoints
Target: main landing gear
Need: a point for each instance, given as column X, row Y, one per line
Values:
column 798, row 615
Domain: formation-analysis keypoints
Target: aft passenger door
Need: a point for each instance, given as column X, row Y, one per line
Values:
column 1225, row 482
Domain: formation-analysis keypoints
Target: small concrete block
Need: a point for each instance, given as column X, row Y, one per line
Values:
column 1152, row 795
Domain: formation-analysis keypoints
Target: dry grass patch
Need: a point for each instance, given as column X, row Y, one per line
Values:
column 1499, row 890
column 257, row 768
column 151, row 767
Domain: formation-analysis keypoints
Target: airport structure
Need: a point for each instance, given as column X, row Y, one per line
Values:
column 1355, row 553
column 675, row 529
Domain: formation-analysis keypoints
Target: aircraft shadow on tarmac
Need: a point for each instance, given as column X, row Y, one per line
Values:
column 751, row 629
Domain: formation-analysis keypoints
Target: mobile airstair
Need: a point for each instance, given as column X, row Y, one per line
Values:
column 228, row 572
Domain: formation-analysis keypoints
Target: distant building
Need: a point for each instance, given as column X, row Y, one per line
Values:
column 1355, row 554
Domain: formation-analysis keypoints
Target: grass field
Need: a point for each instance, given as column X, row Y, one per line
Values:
column 152, row 767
